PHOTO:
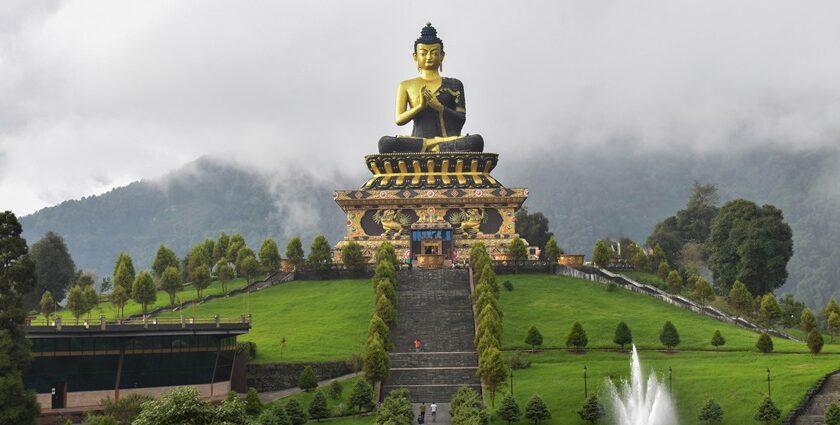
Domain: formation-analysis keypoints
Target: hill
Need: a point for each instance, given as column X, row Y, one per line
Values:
column 586, row 196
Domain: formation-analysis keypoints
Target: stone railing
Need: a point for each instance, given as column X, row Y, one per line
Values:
column 606, row 276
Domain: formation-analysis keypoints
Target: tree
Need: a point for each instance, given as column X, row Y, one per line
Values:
column 718, row 340
column 517, row 250
column 703, row 291
column 623, row 336
column 536, row 410
column 833, row 324
column 243, row 253
column 767, row 411
column 577, row 338
column 352, row 257
column 361, row 396
column 832, row 413
column 164, row 259
column 335, row 390
column 307, row 380
column 143, row 291
column 376, row 361
column 492, row 370
column 467, row 408
column 534, row 337
column 711, row 412
column 319, row 253
column 741, row 298
column 385, row 309
column 807, row 321
column 815, row 341
column 552, row 250
column 47, row 305
column 791, row 310
column 592, row 411
column 751, row 244
column 76, row 302
column 119, row 297
column 764, row 343
column 386, row 252
column 831, row 307
column 91, row 298
column 669, row 336
column 295, row 411
column 318, row 408
column 533, row 227
column 231, row 411
column 690, row 225
column 200, row 277
column 221, row 246
column 663, row 270
column 182, row 405
column 85, row 278
column 249, row 268
column 124, row 277
column 171, row 283
column 54, row 268
column 602, row 254
column 253, row 405
column 125, row 260
column 509, row 410
column 269, row 256
column 225, row 272
column 770, row 311
column 17, row 278
column 378, row 327
column 395, row 409
column 674, row 281
column 105, row 285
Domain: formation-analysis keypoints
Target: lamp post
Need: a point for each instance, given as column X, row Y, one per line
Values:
column 670, row 380
column 585, row 388
column 511, row 381
column 768, row 382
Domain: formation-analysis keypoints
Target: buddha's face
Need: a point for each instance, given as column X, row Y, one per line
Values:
column 428, row 56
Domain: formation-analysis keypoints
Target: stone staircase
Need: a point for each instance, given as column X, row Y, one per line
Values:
column 434, row 307
column 813, row 414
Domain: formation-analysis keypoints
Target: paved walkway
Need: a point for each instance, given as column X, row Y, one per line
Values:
column 274, row 395
column 442, row 417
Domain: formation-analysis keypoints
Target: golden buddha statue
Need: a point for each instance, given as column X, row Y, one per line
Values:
column 434, row 104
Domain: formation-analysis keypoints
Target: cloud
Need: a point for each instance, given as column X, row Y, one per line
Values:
column 95, row 94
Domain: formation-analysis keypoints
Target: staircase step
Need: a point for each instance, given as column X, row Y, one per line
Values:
column 431, row 359
column 429, row 393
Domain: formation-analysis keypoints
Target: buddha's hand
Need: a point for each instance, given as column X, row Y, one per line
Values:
column 431, row 100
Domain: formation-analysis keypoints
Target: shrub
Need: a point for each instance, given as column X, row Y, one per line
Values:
column 126, row 408
column 355, row 362
column 592, row 410
column 711, row 412
column 231, row 411
column 508, row 285
column 577, row 338
column 180, row 406
column 335, row 390
column 767, row 411
column 295, row 412
column 718, row 340
column 307, row 380
column 395, row 409
column 669, row 336
column 623, row 335
column 764, row 343
column 519, row 361
column 832, row 414
column 534, row 337
column 274, row 414
column 352, row 257
column 249, row 347
column 807, row 320
column 376, row 361
column 318, row 408
column 467, row 408
column 253, row 405
column 361, row 396
column 509, row 410
column 536, row 410
column 611, row 287
column 815, row 341
column 99, row 420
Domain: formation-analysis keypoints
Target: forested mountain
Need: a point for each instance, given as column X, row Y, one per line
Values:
column 585, row 197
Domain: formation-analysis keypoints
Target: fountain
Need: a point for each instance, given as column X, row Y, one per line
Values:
column 636, row 404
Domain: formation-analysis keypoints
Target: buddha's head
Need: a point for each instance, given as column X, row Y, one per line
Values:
column 428, row 49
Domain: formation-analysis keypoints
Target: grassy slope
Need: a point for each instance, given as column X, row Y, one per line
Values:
column 187, row 294
column 321, row 320
column 553, row 303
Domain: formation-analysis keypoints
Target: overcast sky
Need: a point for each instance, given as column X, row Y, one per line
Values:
column 96, row 94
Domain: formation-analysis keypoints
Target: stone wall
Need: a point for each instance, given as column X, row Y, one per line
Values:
column 280, row 376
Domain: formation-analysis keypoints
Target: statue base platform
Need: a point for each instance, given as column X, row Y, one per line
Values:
column 431, row 170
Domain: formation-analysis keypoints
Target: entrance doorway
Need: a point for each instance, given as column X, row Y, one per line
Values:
column 59, row 395
column 431, row 247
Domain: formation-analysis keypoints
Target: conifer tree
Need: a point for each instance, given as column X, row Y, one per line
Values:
column 318, row 408
column 253, row 405
column 601, row 254
column 125, row 260
column 171, row 283
column 552, row 251
column 492, row 370
column 517, row 250
column 741, row 298
column 815, row 341
column 47, row 305
column 164, row 258
column 769, row 310
column 143, row 291
column 536, row 410
column 831, row 307
column 352, row 257
column 76, row 302
column 509, row 410
column 577, row 338
column 833, row 322
column 703, row 291
column 764, row 343
column 386, row 252
column 669, row 336
column 319, row 254
column 832, row 414
column 718, row 340
column 807, row 320
column 335, row 390
column 623, row 336
column 663, row 270
column 534, row 337
column 295, row 412
column 307, row 380
column 361, row 397
column 711, row 412
column 385, row 309
column 294, row 251
column 767, row 411
column 592, row 410
column 376, row 361
column 269, row 256
column 674, row 281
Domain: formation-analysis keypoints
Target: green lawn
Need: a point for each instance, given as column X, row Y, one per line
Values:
column 644, row 277
column 187, row 294
column 305, row 398
column 321, row 320
column 553, row 303
column 737, row 381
